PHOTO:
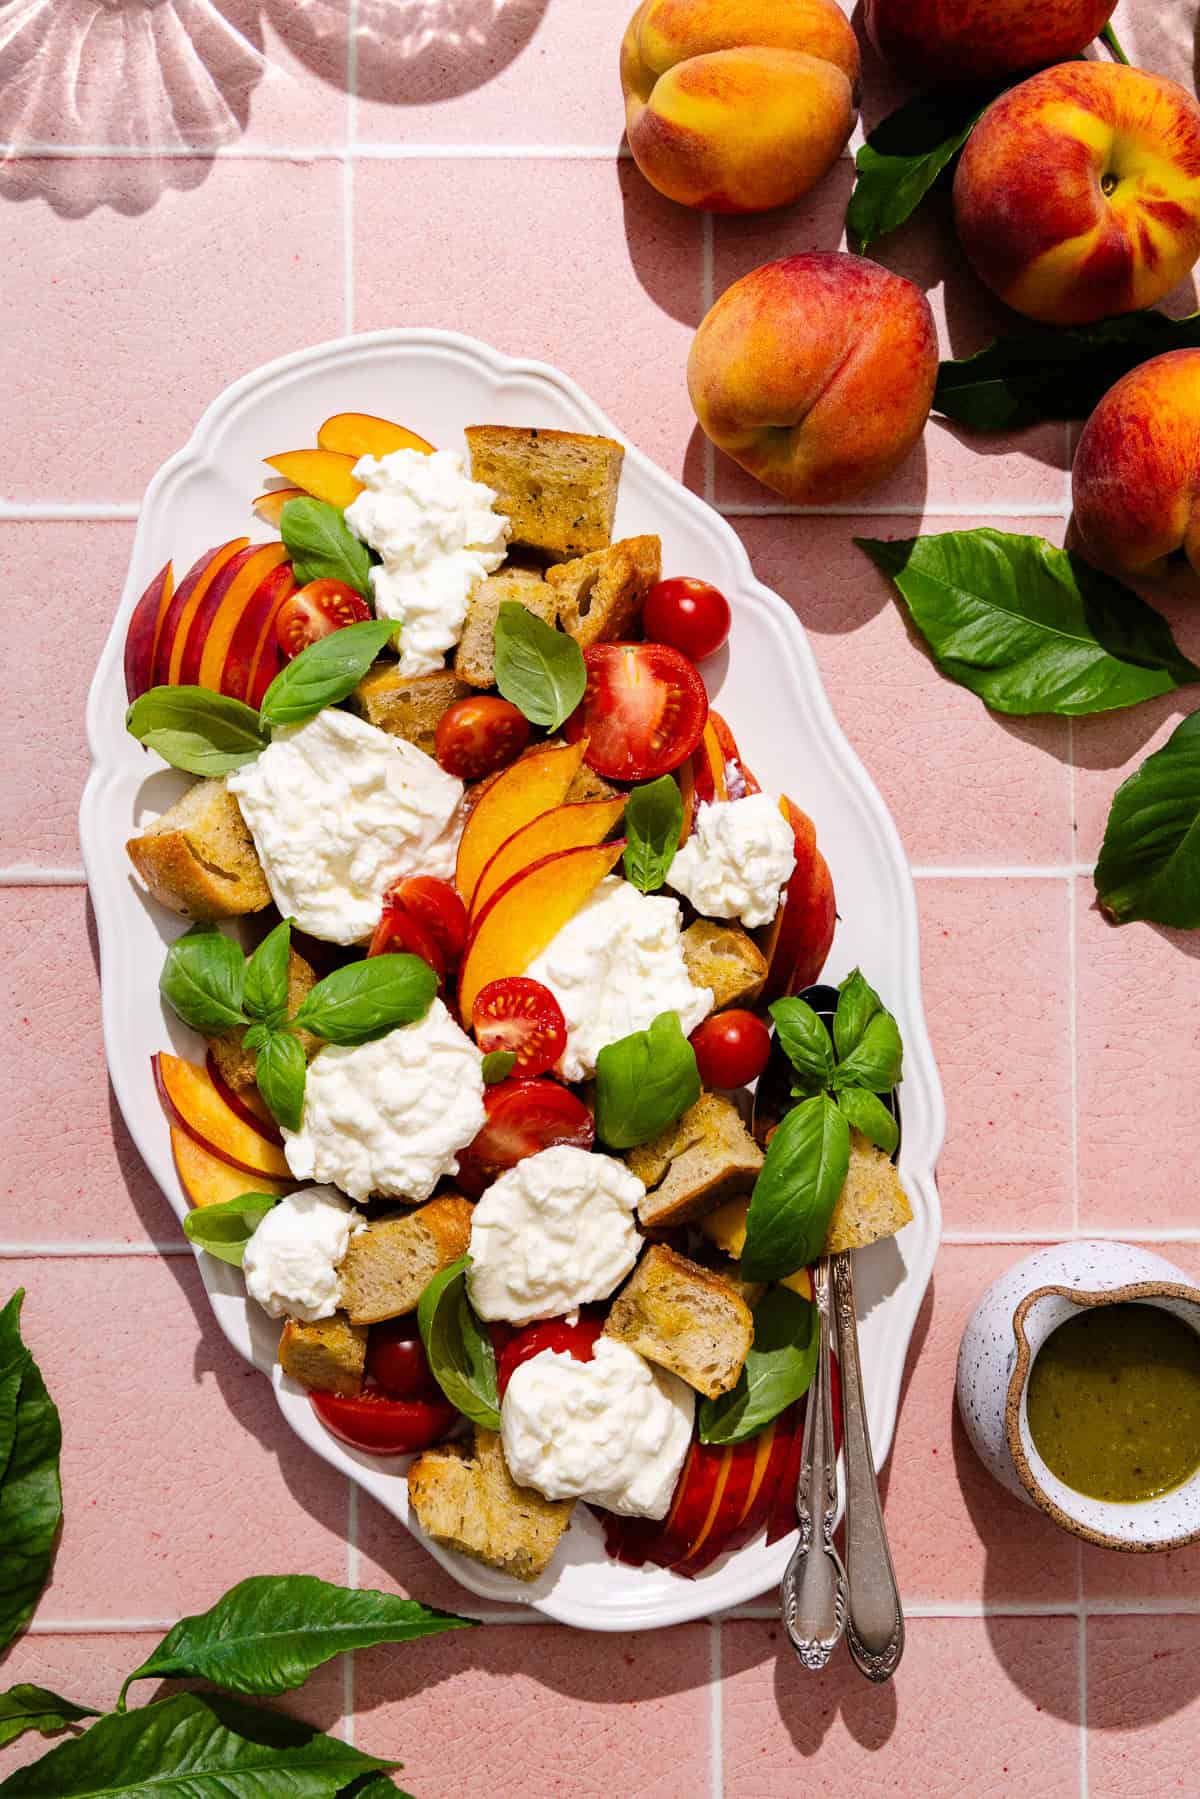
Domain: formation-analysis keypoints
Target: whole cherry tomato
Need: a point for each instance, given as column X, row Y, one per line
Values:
column 523, row 1117
column 380, row 1425
column 578, row 1340
column 690, row 615
column 477, row 736
column 396, row 1361
column 314, row 611
column 521, row 1015
column 642, row 712
column 731, row 1048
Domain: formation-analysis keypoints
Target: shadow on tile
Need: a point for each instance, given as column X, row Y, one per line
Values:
column 674, row 284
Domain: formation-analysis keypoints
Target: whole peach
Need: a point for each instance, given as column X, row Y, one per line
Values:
column 1136, row 474
column 738, row 105
column 940, row 41
column 816, row 373
column 1078, row 192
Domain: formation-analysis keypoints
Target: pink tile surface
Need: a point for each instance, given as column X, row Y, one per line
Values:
column 1143, row 1707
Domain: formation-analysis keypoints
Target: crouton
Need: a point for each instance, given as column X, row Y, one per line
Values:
column 685, row 1318
column 585, row 786
column 872, row 1204
column 470, row 1502
column 199, row 858
column 237, row 1065
column 600, row 595
column 725, row 1268
column 724, row 959
column 558, row 489
column 475, row 657
column 408, row 706
column 328, row 1356
column 696, row 1164
column 389, row 1265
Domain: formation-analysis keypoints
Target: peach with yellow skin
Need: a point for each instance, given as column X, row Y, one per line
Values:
column 816, row 373
column 1137, row 468
column 952, row 41
column 1078, row 193
column 738, row 105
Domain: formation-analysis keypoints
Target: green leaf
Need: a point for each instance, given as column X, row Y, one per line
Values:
column 10, row 1395
column 498, row 1064
column 457, row 1347
column 1149, row 864
column 225, row 1229
column 857, row 1005
column 195, row 729
column 1028, row 627
column 203, row 980
column 27, row 1707
column 644, row 1082
column 540, row 670
column 30, row 1494
column 256, row 1035
column 281, row 1071
column 902, row 159
column 805, row 1042
column 868, row 1114
column 265, row 995
column 194, row 1747
column 322, row 546
column 326, row 672
column 876, row 1059
column 779, row 1369
column 653, row 821
column 368, row 999
column 796, row 1190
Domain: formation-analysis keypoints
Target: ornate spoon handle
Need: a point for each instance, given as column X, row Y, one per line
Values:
column 875, row 1625
column 813, row 1592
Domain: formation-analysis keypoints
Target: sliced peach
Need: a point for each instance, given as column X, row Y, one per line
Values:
column 141, row 638
column 361, row 434
column 173, row 634
column 526, row 790
column 253, row 631
column 216, row 618
column 708, row 766
column 528, row 912
column 686, row 776
column 562, row 828
column 322, row 473
column 191, row 1100
column 209, row 1179
column 269, row 506
column 249, row 1105
column 797, row 941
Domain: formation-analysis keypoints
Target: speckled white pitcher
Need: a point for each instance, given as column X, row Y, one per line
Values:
column 1002, row 1337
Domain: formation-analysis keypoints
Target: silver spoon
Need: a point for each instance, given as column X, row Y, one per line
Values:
column 813, row 1591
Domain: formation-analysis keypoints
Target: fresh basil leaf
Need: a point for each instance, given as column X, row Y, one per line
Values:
column 225, row 1229
column 857, row 1005
column 540, row 670
column 367, row 999
column 644, row 1082
column 867, row 1113
column 1028, row 627
column 281, row 1071
column 30, row 1493
column 458, row 1348
column 904, row 156
column 194, row 1746
column 10, row 1398
column 876, row 1059
column 322, row 546
column 203, row 979
column 779, row 1369
column 256, row 1034
column 265, row 994
column 796, row 1190
column 653, row 821
column 1149, row 865
column 28, row 1707
column 805, row 1042
column 195, row 729
column 325, row 672
column 498, row 1064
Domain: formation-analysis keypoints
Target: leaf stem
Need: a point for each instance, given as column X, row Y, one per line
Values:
column 1108, row 36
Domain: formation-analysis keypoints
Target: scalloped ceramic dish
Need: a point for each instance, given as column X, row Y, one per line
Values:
column 438, row 382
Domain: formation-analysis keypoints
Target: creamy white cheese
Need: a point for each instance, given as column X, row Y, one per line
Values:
column 613, row 968
column 291, row 1261
column 553, row 1233
column 390, row 1116
column 437, row 534
column 737, row 861
column 338, row 810
column 613, row 1430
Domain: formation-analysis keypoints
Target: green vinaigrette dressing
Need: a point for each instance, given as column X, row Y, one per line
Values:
column 1114, row 1402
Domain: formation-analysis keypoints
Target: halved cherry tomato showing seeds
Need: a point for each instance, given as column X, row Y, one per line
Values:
column 692, row 616
column 523, row 1016
column 380, row 1425
column 436, row 905
column 578, row 1340
column 522, row 1118
column 477, row 736
column 312, row 612
column 642, row 713
column 399, row 933
column 731, row 1048
column 396, row 1361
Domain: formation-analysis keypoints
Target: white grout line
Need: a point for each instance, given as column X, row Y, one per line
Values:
column 93, row 511
column 352, row 1566
column 1073, row 1023
column 1108, row 1233
column 16, row 1252
column 305, row 153
column 25, row 874
column 715, row 1722
column 348, row 167
column 95, row 1627
column 983, row 871
column 1082, row 1651
column 930, row 509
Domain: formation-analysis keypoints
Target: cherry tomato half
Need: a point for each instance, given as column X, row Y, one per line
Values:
column 731, row 1048
column 380, row 1425
column 399, row 933
column 643, row 711
column 522, row 1118
column 436, row 906
column 520, row 1015
column 690, row 615
column 396, row 1361
column 578, row 1340
column 477, row 736
column 314, row 611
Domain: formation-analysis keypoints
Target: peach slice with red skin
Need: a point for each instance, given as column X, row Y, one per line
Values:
column 254, row 630
column 215, row 619
column 562, row 828
column 362, row 434
column 208, row 1179
column 249, row 1105
column 269, row 506
column 191, row 1101
column 797, row 941
column 141, row 639
column 185, row 602
column 523, row 792
column 324, row 474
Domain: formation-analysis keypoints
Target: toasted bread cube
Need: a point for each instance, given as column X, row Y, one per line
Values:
column 871, row 1205
column 558, row 489
column 728, row 1270
column 724, row 959
column 328, row 1356
column 199, row 858
column 470, row 1502
column 475, row 657
column 685, row 1318
column 696, row 1164
column 389, row 1265
column 408, row 706
column 237, row 1065
column 600, row 595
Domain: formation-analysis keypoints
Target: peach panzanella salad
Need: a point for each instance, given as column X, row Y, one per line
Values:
column 519, row 920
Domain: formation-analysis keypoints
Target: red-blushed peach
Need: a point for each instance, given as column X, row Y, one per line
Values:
column 945, row 41
column 816, row 373
column 1135, row 482
column 1078, row 193
column 738, row 105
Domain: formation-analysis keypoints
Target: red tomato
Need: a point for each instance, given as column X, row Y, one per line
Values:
column 643, row 711
column 477, row 736
column 399, row 933
column 383, row 1426
column 522, row 1118
column 396, row 1361
column 437, row 908
column 314, row 611
column 690, row 615
column 520, row 1015
column 578, row 1340
column 731, row 1048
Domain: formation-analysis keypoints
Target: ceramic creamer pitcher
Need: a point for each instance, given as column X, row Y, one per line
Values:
column 1002, row 1338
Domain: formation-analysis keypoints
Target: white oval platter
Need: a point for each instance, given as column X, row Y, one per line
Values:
column 438, row 382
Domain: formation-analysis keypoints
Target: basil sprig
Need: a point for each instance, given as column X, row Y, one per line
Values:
column 869, row 1056
column 797, row 1188
column 325, row 672
column 540, row 670
column 779, row 1369
column 653, row 821
column 30, row 1490
column 644, row 1082
column 1149, row 864
column 225, row 1229
column 367, row 999
column 25, row 1707
column 203, row 980
column 321, row 545
column 458, row 1348
column 265, row 985
column 904, row 156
